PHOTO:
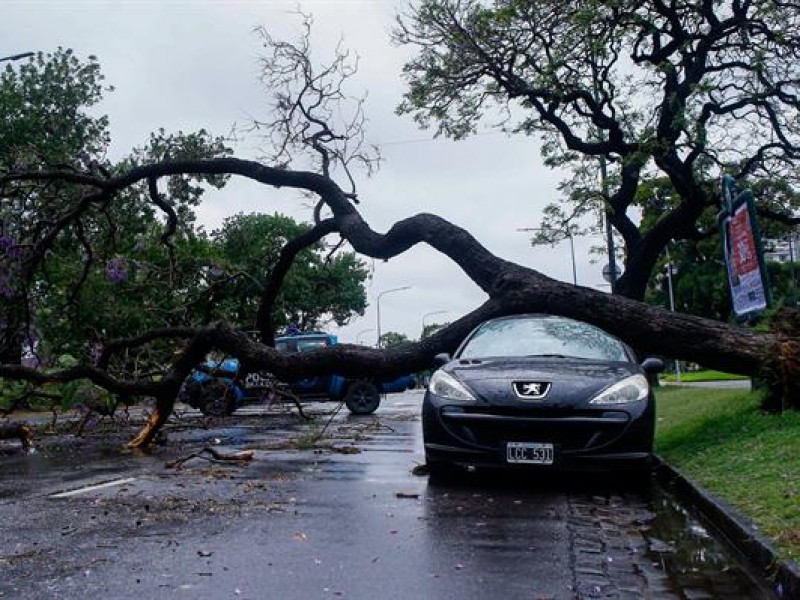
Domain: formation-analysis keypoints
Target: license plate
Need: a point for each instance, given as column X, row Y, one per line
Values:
column 530, row 453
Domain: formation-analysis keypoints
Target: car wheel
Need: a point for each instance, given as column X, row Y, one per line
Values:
column 216, row 400
column 362, row 398
column 190, row 394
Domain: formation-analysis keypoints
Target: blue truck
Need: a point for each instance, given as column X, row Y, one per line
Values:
column 218, row 387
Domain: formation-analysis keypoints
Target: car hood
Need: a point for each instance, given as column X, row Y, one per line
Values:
column 572, row 382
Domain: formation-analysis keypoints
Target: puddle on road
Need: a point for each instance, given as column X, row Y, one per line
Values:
column 692, row 558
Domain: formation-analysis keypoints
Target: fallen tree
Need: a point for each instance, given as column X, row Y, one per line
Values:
column 510, row 288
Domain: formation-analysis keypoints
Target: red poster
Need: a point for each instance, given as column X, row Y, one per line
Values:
column 743, row 246
column 744, row 272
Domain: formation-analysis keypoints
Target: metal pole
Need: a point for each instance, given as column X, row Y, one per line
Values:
column 571, row 247
column 612, row 259
column 378, row 341
column 18, row 56
column 378, row 306
column 791, row 270
column 574, row 268
column 672, row 308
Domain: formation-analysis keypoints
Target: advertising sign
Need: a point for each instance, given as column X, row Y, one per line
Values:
column 742, row 248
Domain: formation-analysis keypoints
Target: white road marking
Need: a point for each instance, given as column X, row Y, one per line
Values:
column 92, row 488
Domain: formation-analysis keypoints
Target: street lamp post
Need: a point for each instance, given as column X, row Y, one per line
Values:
column 791, row 269
column 430, row 314
column 378, row 307
column 18, row 56
column 672, row 308
column 571, row 248
column 612, row 258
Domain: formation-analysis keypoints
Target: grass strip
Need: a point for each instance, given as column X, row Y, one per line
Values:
column 694, row 376
column 720, row 439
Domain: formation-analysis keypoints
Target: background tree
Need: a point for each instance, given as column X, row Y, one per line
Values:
column 45, row 120
column 68, row 263
column 628, row 90
column 431, row 328
column 392, row 339
column 700, row 280
column 510, row 288
column 318, row 289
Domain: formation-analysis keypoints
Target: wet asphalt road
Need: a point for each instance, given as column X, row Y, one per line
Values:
column 346, row 520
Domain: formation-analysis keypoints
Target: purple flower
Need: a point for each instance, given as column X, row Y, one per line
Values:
column 115, row 270
column 96, row 351
column 5, row 242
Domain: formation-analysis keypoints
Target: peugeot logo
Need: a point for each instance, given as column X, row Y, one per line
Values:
column 531, row 390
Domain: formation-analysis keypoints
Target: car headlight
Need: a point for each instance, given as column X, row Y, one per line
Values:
column 630, row 389
column 446, row 386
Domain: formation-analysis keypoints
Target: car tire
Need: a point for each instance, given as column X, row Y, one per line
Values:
column 216, row 399
column 362, row 397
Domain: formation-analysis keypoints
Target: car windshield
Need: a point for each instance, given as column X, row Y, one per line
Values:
column 543, row 336
column 290, row 345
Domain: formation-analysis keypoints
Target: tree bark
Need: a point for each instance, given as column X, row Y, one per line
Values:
column 511, row 289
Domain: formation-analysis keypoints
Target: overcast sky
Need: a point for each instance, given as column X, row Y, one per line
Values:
column 186, row 65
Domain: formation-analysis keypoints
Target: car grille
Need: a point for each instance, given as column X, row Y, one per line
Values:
column 570, row 430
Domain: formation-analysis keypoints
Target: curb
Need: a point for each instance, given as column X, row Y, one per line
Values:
column 739, row 531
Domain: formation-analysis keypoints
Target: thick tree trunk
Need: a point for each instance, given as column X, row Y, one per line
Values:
column 511, row 289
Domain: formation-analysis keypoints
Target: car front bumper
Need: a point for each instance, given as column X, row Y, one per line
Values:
column 591, row 439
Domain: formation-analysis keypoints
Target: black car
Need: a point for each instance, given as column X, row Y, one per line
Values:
column 540, row 392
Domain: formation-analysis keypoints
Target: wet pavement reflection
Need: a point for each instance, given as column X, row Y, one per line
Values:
column 343, row 519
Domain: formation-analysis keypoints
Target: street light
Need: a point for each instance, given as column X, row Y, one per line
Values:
column 360, row 333
column 571, row 247
column 791, row 268
column 430, row 314
column 672, row 308
column 18, row 56
column 378, row 306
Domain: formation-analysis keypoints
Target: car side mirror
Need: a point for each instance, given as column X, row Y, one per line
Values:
column 442, row 359
column 652, row 365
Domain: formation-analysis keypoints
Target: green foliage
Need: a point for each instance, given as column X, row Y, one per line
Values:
column 390, row 339
column 699, row 277
column 705, row 375
column 318, row 288
column 630, row 90
column 713, row 436
column 431, row 328
column 113, row 271
column 45, row 112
